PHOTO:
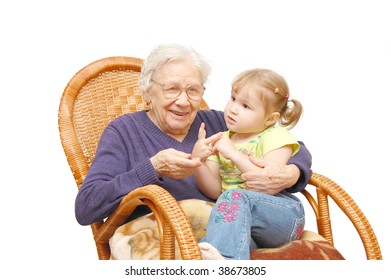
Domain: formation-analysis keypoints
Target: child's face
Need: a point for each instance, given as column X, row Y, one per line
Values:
column 245, row 113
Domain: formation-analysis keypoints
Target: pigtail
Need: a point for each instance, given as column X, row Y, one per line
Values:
column 291, row 114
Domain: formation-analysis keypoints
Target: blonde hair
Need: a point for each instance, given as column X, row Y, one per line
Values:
column 274, row 93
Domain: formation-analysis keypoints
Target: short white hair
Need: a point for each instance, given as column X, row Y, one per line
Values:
column 164, row 54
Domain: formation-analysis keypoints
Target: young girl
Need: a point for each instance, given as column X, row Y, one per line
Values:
column 242, row 219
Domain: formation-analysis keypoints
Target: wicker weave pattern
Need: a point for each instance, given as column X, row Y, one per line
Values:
column 108, row 88
column 101, row 100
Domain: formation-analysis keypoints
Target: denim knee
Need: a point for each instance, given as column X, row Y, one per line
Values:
column 229, row 205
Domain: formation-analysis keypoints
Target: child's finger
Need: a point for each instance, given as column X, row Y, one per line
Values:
column 201, row 132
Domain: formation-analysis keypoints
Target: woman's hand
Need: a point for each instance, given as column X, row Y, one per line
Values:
column 178, row 165
column 272, row 177
column 174, row 164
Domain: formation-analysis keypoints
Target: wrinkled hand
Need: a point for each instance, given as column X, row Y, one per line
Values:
column 174, row 164
column 272, row 177
column 204, row 147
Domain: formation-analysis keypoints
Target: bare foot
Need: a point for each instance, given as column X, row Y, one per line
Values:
column 209, row 252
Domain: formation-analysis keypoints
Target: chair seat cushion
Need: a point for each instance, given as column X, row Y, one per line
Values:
column 299, row 250
column 139, row 239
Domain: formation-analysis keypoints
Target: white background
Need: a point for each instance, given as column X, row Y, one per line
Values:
column 335, row 55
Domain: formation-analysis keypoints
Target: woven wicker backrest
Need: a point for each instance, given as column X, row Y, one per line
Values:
column 101, row 100
column 97, row 94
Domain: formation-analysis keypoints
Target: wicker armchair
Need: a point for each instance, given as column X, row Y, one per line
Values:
column 108, row 88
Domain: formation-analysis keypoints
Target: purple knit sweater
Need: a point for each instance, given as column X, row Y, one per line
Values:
column 122, row 164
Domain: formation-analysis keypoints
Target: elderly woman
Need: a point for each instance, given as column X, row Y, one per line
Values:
column 154, row 146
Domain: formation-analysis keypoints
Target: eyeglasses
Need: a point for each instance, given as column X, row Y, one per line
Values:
column 171, row 91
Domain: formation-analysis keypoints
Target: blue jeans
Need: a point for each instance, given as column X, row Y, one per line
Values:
column 241, row 217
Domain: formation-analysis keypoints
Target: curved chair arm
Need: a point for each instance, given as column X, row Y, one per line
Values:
column 326, row 187
column 172, row 222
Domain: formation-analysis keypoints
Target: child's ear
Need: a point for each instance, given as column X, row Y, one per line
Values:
column 272, row 119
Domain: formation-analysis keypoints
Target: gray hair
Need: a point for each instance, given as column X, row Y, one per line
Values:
column 164, row 54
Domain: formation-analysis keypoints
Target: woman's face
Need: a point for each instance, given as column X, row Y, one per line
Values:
column 173, row 116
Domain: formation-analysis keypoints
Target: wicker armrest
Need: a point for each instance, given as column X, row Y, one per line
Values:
column 171, row 221
column 325, row 188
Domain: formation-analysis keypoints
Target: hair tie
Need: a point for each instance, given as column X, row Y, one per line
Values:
column 277, row 91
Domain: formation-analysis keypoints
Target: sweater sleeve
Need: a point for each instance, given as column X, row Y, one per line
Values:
column 303, row 160
column 110, row 178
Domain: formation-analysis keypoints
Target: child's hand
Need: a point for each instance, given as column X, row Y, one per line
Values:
column 204, row 147
column 226, row 147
